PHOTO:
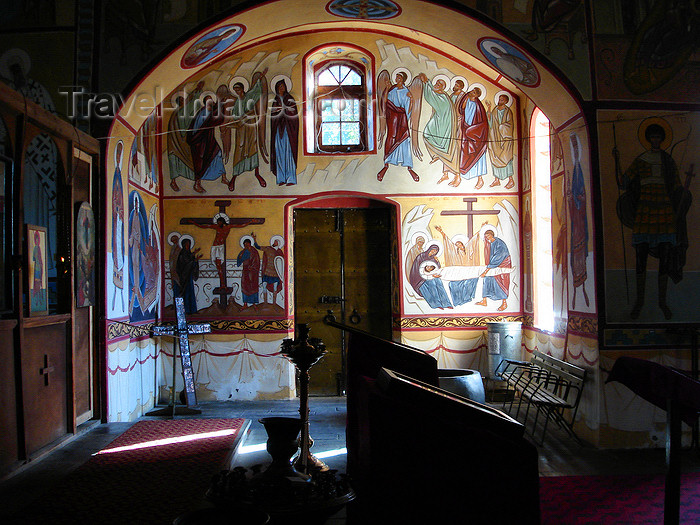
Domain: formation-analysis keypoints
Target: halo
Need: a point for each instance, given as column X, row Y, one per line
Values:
column 177, row 93
column 206, row 94
column 574, row 137
column 503, row 92
column 13, row 56
column 455, row 79
column 249, row 237
column 481, row 87
column 668, row 139
column 171, row 234
column 436, row 242
column 414, row 238
column 444, row 78
column 460, row 237
column 489, row 44
column 221, row 215
column 278, row 238
column 409, row 76
column 116, row 163
column 487, row 226
column 287, row 82
column 235, row 80
column 188, row 237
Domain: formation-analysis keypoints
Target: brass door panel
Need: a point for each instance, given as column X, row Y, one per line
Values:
column 317, row 273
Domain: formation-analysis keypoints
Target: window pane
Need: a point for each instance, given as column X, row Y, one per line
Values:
column 351, row 111
column 326, row 78
column 351, row 134
column 330, row 134
column 329, row 111
column 350, row 77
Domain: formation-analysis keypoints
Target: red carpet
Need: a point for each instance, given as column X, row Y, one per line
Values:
column 151, row 484
column 614, row 499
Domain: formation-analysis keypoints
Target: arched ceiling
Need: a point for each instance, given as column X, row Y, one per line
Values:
column 446, row 32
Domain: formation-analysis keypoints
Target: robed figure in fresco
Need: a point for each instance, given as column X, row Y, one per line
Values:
column 474, row 127
column 654, row 204
column 249, row 260
column 118, row 227
column 440, row 131
column 187, row 268
column 428, row 287
column 207, row 160
column 246, row 116
column 501, row 130
column 496, row 255
column 397, row 103
column 284, row 136
column 180, row 160
column 576, row 196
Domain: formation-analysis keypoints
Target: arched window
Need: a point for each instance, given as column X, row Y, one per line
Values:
column 339, row 115
column 542, row 222
column 340, row 108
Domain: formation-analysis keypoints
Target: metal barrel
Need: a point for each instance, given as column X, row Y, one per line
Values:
column 504, row 342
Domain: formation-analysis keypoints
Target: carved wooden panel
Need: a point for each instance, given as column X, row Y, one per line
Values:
column 44, row 385
column 8, row 414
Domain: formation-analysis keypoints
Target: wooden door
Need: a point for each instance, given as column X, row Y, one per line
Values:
column 342, row 264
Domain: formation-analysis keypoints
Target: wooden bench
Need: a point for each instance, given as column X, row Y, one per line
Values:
column 550, row 385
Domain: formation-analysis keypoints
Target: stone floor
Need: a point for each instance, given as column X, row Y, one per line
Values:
column 560, row 455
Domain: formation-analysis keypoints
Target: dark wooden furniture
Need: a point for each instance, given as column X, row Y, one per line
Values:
column 677, row 393
column 428, row 456
column 51, row 365
column 552, row 386
column 419, row 454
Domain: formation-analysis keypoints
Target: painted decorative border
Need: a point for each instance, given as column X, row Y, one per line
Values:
column 454, row 322
column 583, row 325
column 259, row 325
column 117, row 329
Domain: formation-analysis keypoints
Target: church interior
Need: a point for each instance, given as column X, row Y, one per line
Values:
column 492, row 188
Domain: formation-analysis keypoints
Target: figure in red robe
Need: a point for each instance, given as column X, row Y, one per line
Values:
column 249, row 259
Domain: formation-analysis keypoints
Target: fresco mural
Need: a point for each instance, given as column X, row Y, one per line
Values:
column 144, row 258
column 652, row 44
column 452, row 267
column 212, row 44
column 652, row 274
column 143, row 157
column 235, row 270
column 364, row 9
column 117, row 230
column 447, row 150
column 241, row 117
column 510, row 61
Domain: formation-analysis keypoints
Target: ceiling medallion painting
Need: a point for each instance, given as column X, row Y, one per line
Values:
column 212, row 45
column 510, row 61
column 364, row 9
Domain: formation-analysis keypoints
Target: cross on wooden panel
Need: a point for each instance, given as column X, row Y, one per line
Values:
column 46, row 370
column 470, row 212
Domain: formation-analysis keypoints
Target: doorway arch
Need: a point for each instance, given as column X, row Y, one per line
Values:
column 344, row 266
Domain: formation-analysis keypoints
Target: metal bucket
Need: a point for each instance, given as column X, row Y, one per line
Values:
column 504, row 342
column 463, row 382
